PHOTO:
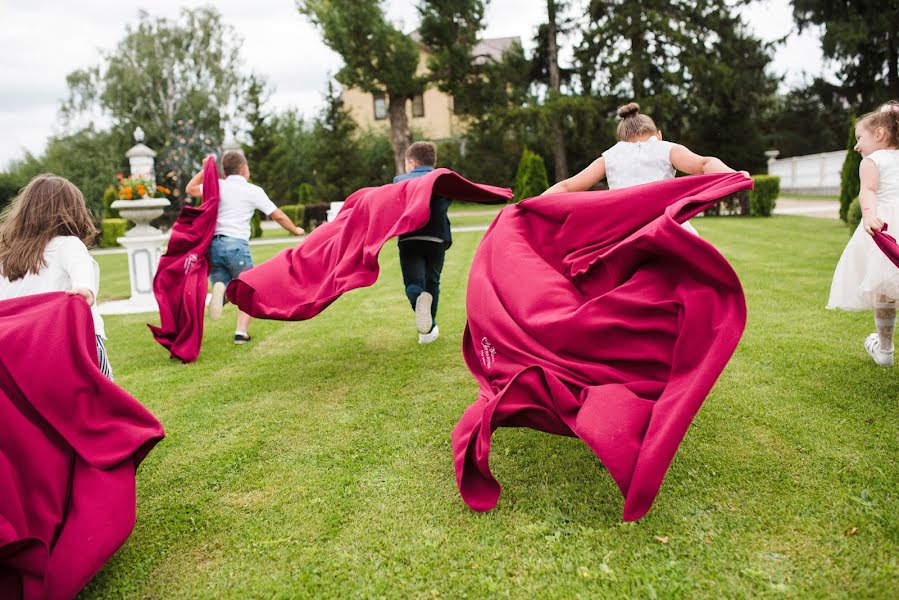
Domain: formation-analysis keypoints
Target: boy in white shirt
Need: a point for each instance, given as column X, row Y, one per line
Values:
column 229, row 254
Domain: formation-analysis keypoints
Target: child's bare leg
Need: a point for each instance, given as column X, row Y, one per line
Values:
column 885, row 321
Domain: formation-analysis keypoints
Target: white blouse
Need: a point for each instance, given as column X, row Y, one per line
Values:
column 636, row 163
column 69, row 266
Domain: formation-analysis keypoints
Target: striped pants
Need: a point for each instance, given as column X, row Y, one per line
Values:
column 105, row 367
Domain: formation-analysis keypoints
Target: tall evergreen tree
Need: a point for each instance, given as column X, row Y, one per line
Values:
column 862, row 38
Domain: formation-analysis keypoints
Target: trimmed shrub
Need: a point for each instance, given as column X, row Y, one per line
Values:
column 850, row 185
column 854, row 215
column 763, row 197
column 109, row 196
column 256, row 225
column 530, row 178
column 314, row 215
column 294, row 212
column 304, row 194
column 110, row 231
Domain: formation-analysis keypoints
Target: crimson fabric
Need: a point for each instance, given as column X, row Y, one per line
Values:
column 70, row 441
column 180, row 283
column 888, row 244
column 597, row 315
column 342, row 255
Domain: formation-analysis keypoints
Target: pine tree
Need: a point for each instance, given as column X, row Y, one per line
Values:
column 850, row 184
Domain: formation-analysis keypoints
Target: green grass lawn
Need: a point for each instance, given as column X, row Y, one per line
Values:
column 316, row 461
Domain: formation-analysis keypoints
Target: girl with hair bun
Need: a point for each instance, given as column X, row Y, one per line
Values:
column 640, row 156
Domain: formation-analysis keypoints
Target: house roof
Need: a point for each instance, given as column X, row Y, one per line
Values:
column 491, row 49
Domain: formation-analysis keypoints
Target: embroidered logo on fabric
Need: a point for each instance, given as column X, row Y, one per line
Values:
column 189, row 262
column 488, row 353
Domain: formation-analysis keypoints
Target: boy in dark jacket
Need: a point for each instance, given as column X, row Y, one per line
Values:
column 422, row 251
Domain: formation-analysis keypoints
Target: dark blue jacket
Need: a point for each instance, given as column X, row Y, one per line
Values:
column 439, row 225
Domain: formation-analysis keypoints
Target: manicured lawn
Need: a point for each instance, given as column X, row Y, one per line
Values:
column 316, row 461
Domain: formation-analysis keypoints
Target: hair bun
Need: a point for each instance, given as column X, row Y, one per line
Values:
column 629, row 110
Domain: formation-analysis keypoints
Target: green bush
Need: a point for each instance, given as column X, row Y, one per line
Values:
column 256, row 225
column 850, row 185
column 530, row 178
column 110, row 231
column 109, row 196
column 854, row 215
column 762, row 198
column 305, row 194
column 294, row 212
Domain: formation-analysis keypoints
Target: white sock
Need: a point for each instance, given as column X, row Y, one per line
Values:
column 885, row 322
column 239, row 332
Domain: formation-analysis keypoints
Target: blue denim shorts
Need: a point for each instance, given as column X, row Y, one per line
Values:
column 228, row 258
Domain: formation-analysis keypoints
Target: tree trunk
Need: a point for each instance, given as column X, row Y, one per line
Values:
column 892, row 64
column 638, row 49
column 558, row 142
column 400, row 136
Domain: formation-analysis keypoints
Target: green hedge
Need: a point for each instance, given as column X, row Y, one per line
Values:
column 850, row 185
column 110, row 231
column 530, row 179
column 256, row 225
column 294, row 212
column 762, row 198
column 854, row 215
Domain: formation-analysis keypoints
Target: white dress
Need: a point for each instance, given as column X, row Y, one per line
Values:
column 864, row 272
column 69, row 266
column 636, row 163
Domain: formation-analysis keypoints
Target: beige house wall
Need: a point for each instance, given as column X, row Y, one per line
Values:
column 438, row 121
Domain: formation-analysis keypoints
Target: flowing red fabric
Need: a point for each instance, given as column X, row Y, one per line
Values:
column 597, row 315
column 342, row 255
column 70, row 441
column 888, row 244
column 180, row 283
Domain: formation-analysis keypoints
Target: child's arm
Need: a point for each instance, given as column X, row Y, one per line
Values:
column 687, row 161
column 583, row 181
column 281, row 218
column 867, row 196
column 80, row 267
column 193, row 187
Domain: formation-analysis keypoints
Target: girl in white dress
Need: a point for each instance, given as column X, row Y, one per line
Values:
column 44, row 235
column 640, row 156
column 865, row 279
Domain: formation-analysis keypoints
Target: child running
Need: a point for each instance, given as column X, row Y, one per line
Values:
column 640, row 156
column 44, row 235
column 865, row 279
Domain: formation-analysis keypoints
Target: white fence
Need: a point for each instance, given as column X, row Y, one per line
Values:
column 810, row 174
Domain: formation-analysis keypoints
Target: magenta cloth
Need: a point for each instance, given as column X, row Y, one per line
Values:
column 888, row 244
column 70, row 441
column 597, row 315
column 342, row 255
column 180, row 283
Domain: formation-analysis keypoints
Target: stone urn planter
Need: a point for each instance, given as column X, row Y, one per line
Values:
column 144, row 245
column 141, row 212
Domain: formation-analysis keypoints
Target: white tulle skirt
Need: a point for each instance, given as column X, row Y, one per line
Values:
column 864, row 272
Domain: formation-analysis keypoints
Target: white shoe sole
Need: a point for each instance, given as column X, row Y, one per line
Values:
column 217, row 301
column 427, row 338
column 423, row 319
column 872, row 347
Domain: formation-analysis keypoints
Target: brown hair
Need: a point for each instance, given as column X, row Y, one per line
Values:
column 633, row 124
column 47, row 207
column 232, row 161
column 424, row 153
column 886, row 116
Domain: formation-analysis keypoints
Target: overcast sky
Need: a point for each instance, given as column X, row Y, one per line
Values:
column 41, row 41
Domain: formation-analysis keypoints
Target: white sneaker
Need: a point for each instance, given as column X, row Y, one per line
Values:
column 427, row 338
column 872, row 345
column 217, row 301
column 423, row 319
